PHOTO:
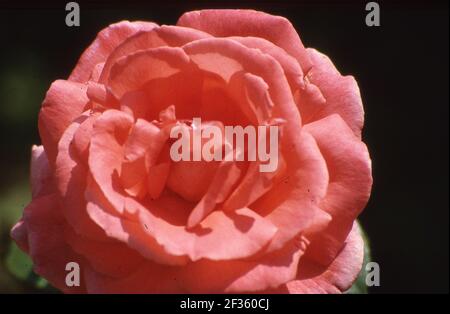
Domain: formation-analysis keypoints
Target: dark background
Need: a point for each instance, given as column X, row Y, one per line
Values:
column 402, row 70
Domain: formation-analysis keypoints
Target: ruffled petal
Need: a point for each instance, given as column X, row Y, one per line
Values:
column 350, row 183
column 19, row 234
column 293, row 203
column 131, row 72
column 136, row 104
column 70, row 174
column 82, row 136
column 251, row 93
column 199, row 173
column 225, row 179
column 113, row 259
column 63, row 103
column 106, row 154
column 336, row 277
column 141, row 152
column 157, row 178
column 148, row 278
column 246, row 232
column 226, row 23
column 47, row 248
column 40, row 175
column 126, row 230
column 254, row 185
column 172, row 36
column 340, row 92
column 42, row 184
column 237, row 276
column 226, row 57
column 105, row 42
column 291, row 67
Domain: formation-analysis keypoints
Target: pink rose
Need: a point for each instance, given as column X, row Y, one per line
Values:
column 107, row 195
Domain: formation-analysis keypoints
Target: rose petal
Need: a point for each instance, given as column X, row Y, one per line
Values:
column 136, row 104
column 237, row 276
column 148, row 278
column 227, row 175
column 350, row 183
column 225, row 23
column 96, row 72
column 334, row 278
column 131, row 72
column 70, row 174
column 198, row 173
column 106, row 154
column 226, row 57
column 291, row 67
column 19, row 234
column 251, row 92
column 173, row 36
column 105, row 42
column 341, row 93
column 82, row 137
column 309, row 100
column 246, row 230
column 113, row 259
column 63, row 102
column 293, row 203
column 253, row 185
column 141, row 151
column 144, row 137
column 47, row 248
column 229, row 276
column 157, row 178
column 40, row 174
column 126, row 230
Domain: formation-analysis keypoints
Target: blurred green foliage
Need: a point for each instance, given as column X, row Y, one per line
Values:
column 16, row 273
column 360, row 287
column 23, row 83
column 12, row 201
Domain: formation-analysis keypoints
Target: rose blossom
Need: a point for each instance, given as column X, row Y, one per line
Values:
column 106, row 195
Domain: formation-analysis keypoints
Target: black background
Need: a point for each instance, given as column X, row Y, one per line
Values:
column 402, row 70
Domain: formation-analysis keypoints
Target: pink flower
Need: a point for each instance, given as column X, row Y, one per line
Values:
column 107, row 196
